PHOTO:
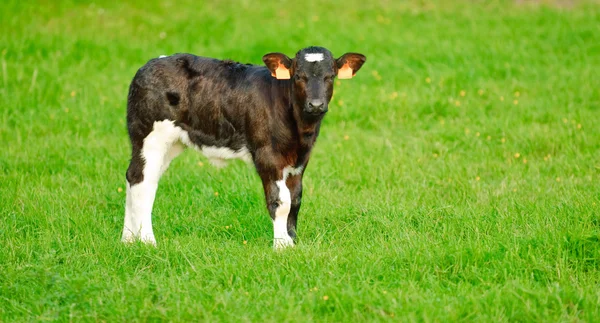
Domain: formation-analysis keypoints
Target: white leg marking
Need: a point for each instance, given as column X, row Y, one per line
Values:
column 281, row 239
column 173, row 152
column 287, row 171
column 142, row 197
column 128, row 234
column 280, row 232
column 160, row 147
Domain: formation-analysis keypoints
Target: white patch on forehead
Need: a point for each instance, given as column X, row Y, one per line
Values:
column 313, row 57
column 162, row 56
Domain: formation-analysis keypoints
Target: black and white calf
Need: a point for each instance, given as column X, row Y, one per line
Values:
column 269, row 116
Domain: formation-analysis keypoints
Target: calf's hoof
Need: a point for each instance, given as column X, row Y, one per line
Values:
column 129, row 237
column 282, row 243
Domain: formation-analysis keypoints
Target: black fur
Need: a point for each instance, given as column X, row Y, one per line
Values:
column 234, row 105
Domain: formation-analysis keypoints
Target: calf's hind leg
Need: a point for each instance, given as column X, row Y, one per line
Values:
column 149, row 160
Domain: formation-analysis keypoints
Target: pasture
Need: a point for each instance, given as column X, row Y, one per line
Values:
column 456, row 177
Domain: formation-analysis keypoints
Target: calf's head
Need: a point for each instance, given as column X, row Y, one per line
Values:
column 312, row 72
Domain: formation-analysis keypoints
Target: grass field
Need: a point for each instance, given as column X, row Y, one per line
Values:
column 456, row 178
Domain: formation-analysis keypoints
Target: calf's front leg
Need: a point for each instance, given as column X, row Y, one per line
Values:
column 294, row 183
column 279, row 204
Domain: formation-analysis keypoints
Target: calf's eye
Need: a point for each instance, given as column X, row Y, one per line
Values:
column 301, row 78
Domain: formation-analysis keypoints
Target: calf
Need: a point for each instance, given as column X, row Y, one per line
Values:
column 270, row 116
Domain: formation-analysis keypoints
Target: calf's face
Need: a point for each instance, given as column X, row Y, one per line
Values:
column 312, row 72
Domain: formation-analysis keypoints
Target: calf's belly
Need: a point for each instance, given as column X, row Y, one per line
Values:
column 218, row 156
column 168, row 131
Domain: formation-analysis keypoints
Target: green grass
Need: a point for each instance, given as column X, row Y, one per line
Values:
column 421, row 203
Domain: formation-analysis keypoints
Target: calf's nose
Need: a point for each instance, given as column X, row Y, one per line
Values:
column 315, row 105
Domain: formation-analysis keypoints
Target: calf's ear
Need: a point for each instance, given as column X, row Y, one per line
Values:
column 279, row 64
column 348, row 64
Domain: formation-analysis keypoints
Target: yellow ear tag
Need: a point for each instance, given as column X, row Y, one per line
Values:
column 282, row 73
column 345, row 72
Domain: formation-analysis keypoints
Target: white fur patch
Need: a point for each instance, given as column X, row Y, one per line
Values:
column 313, row 57
column 289, row 170
column 158, row 150
column 281, row 239
column 129, row 228
column 162, row 56
column 161, row 146
column 218, row 156
column 185, row 139
column 139, row 224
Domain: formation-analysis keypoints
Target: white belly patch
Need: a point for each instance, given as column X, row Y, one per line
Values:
column 217, row 156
